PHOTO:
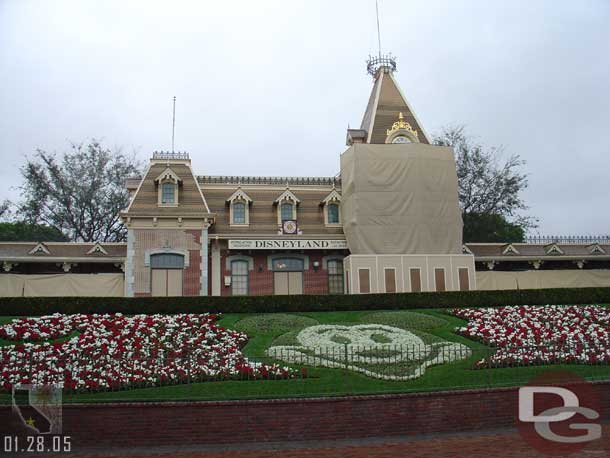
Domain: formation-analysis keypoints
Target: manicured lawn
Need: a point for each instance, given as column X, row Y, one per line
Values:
column 430, row 325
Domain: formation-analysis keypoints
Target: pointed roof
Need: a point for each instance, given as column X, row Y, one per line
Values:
column 385, row 104
column 191, row 201
column 40, row 248
column 239, row 194
column 287, row 195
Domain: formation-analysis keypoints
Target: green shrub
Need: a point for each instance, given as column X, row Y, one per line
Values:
column 25, row 306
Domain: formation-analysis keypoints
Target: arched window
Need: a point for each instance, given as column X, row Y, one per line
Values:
column 239, row 213
column 239, row 278
column 333, row 213
column 288, row 265
column 168, row 193
column 335, row 276
column 286, row 211
column 167, row 261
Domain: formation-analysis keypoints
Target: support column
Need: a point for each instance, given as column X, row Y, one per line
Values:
column 216, row 268
column 129, row 276
column 204, row 260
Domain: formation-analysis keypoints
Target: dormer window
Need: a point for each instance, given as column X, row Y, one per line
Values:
column 332, row 209
column 239, row 213
column 168, row 193
column 287, row 211
column 239, row 208
column 333, row 213
column 168, row 183
column 286, row 206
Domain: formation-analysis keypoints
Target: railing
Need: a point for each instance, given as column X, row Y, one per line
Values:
column 568, row 239
column 329, row 371
column 167, row 155
column 278, row 181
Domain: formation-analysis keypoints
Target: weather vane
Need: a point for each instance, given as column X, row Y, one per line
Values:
column 173, row 123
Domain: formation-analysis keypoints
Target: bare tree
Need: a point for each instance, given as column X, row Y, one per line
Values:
column 80, row 194
column 5, row 210
column 487, row 186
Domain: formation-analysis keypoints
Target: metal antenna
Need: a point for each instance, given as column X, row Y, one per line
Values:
column 378, row 29
column 173, row 123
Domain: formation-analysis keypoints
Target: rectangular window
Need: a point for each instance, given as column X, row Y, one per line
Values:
column 390, row 280
column 464, row 279
column 239, row 213
column 335, row 276
column 286, row 212
column 365, row 280
column 415, row 276
column 333, row 214
column 239, row 278
column 439, row 279
column 167, row 193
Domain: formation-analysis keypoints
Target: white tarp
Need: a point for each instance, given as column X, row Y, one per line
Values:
column 400, row 199
column 537, row 279
column 104, row 285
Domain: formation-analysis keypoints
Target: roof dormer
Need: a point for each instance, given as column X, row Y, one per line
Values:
column 510, row 249
column 239, row 208
column 40, row 248
column 97, row 249
column 553, row 249
column 596, row 249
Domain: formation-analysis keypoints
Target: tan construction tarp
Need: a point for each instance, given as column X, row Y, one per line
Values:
column 104, row 285
column 537, row 279
column 400, row 199
column 11, row 285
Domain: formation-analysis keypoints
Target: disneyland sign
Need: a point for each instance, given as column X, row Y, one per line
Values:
column 287, row 244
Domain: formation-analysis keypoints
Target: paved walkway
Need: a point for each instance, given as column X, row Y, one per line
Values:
column 498, row 444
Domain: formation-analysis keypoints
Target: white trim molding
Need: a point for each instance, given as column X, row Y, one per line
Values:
column 40, row 248
column 149, row 253
column 331, row 257
column 239, row 257
column 97, row 248
column 271, row 258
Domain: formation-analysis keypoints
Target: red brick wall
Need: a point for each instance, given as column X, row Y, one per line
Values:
column 261, row 283
column 212, row 423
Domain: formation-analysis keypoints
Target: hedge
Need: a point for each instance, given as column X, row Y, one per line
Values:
column 32, row 306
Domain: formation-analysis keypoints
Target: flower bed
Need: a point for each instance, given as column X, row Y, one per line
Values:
column 117, row 352
column 529, row 335
column 375, row 350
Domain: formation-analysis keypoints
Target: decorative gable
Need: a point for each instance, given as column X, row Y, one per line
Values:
column 510, row 249
column 596, row 249
column 287, row 196
column 97, row 249
column 553, row 249
column 466, row 250
column 240, row 194
column 168, row 175
column 334, row 196
column 40, row 248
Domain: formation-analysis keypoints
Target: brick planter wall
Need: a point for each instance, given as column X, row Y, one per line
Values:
column 231, row 422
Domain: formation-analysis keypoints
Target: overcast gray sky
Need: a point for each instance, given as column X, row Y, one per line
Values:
column 268, row 87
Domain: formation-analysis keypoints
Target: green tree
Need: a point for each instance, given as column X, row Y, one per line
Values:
column 24, row 232
column 489, row 189
column 80, row 194
column 491, row 228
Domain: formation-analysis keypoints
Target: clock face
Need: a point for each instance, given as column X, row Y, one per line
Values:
column 401, row 139
column 289, row 227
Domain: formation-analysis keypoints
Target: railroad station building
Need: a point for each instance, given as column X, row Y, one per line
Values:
column 388, row 222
